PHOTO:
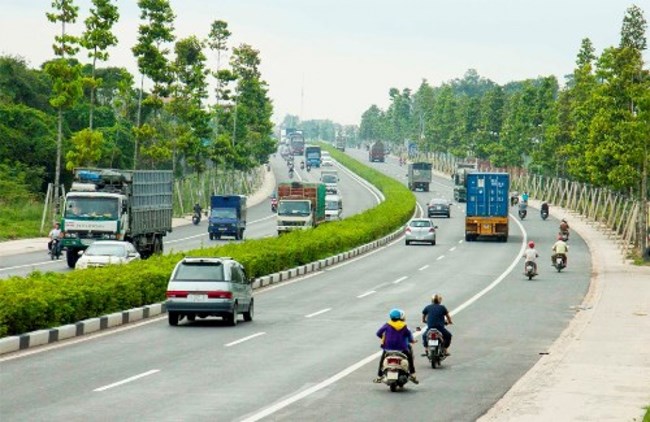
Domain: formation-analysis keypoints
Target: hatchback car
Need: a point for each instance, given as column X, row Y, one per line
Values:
column 107, row 252
column 439, row 207
column 420, row 230
column 203, row 287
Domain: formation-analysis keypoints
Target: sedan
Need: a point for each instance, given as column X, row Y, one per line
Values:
column 439, row 206
column 420, row 230
column 107, row 252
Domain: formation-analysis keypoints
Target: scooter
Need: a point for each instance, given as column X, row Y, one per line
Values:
column 558, row 263
column 522, row 213
column 308, row 168
column 395, row 370
column 435, row 352
column 55, row 252
column 274, row 204
column 530, row 270
column 196, row 218
column 565, row 236
column 543, row 214
column 302, row 165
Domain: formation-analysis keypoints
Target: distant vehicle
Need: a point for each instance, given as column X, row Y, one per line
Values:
column 376, row 152
column 300, row 206
column 203, row 287
column 227, row 216
column 108, row 204
column 340, row 143
column 297, row 143
column 419, row 176
column 331, row 179
column 439, row 207
column 326, row 162
column 313, row 155
column 420, row 230
column 460, row 180
column 107, row 252
column 333, row 207
column 487, row 206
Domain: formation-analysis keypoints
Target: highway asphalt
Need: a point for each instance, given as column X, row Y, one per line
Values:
column 311, row 352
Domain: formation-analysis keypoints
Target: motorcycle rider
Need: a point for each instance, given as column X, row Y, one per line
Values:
column 302, row 165
column 55, row 233
column 436, row 315
column 564, row 227
column 544, row 208
column 560, row 248
column 524, row 197
column 395, row 335
column 531, row 255
column 523, row 206
column 514, row 198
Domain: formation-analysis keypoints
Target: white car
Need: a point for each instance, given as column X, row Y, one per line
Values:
column 326, row 162
column 107, row 252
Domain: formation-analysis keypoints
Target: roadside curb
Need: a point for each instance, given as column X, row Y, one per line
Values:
column 44, row 337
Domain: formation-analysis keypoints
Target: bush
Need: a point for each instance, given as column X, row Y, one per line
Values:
column 43, row 300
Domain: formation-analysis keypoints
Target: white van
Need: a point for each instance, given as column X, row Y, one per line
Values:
column 331, row 179
column 333, row 207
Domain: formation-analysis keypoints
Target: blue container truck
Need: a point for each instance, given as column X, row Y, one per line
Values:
column 227, row 216
column 312, row 155
column 487, row 206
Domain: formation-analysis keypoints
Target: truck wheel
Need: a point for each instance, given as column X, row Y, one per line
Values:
column 172, row 318
column 241, row 234
column 72, row 256
column 211, row 236
column 468, row 238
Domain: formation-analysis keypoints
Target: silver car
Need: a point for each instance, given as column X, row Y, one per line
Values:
column 203, row 287
column 420, row 230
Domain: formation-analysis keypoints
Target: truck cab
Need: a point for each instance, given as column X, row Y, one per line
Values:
column 300, row 206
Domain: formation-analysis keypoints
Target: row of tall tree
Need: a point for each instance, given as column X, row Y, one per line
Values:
column 595, row 129
column 75, row 112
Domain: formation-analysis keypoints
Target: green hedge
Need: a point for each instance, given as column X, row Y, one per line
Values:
column 45, row 300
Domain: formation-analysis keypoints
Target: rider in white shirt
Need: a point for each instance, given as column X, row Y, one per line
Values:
column 531, row 256
column 54, row 234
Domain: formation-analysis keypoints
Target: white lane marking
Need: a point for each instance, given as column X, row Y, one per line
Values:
column 440, row 257
column 399, row 280
column 460, row 241
column 241, row 340
column 452, row 249
column 322, row 311
column 366, row 294
column 311, row 390
column 350, row 369
column 424, row 267
column 36, row 264
column 124, row 381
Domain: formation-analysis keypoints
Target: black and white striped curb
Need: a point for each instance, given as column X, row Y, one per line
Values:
column 43, row 337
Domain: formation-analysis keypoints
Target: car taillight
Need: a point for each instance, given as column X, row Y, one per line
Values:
column 393, row 361
column 219, row 294
column 176, row 293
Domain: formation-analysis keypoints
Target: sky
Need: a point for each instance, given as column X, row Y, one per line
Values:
column 333, row 59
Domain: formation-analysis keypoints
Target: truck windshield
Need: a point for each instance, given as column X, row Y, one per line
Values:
column 332, row 205
column 223, row 213
column 329, row 178
column 91, row 207
column 294, row 208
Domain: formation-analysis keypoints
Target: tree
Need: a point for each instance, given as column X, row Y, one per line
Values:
column 218, row 42
column 97, row 38
column 150, row 52
column 86, row 149
column 370, row 129
column 66, row 76
column 633, row 29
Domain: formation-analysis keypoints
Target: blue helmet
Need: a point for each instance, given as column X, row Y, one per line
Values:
column 396, row 314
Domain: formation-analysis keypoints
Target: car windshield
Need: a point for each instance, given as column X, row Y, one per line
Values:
column 223, row 213
column 91, row 207
column 294, row 208
column 199, row 271
column 420, row 223
column 329, row 178
column 97, row 249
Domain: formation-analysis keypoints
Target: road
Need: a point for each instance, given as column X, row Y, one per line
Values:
column 261, row 223
column 311, row 352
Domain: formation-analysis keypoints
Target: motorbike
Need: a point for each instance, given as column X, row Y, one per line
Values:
column 522, row 213
column 196, row 218
column 558, row 263
column 530, row 270
column 55, row 252
column 302, row 166
column 274, row 205
column 308, row 168
column 543, row 214
column 290, row 173
column 395, row 370
column 435, row 352
column 565, row 236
